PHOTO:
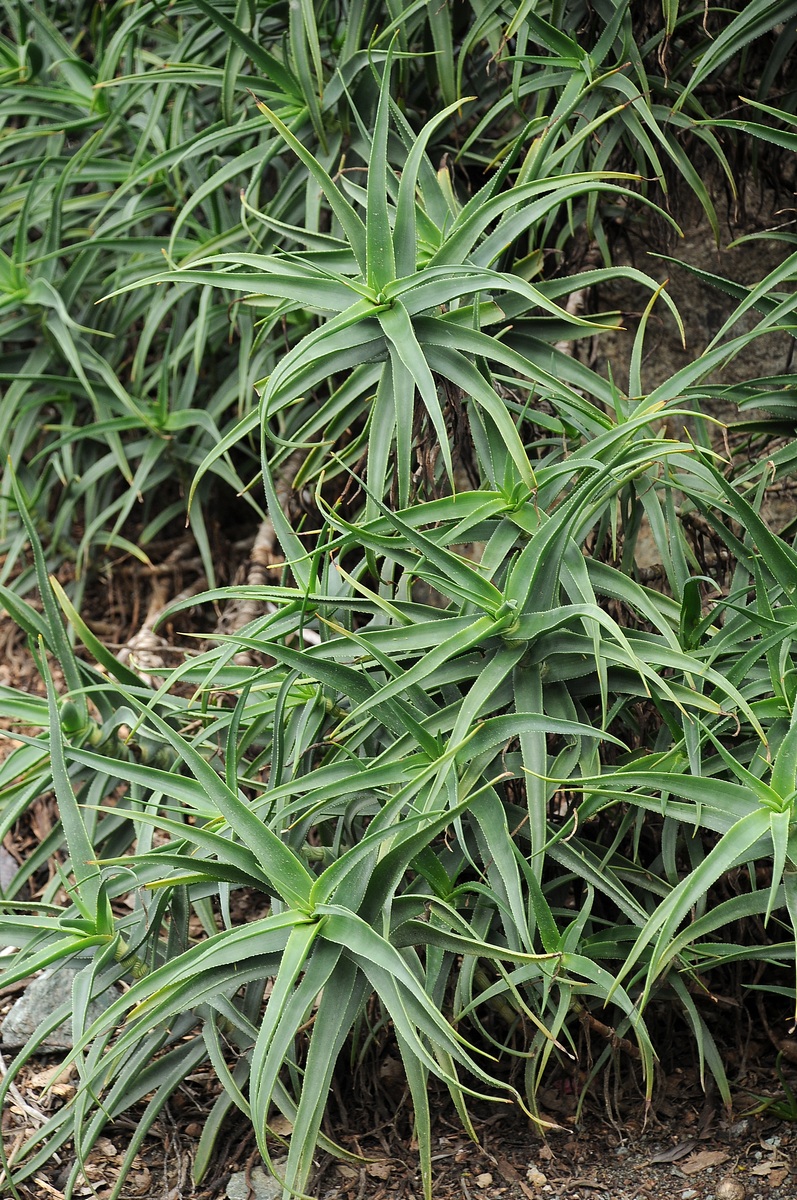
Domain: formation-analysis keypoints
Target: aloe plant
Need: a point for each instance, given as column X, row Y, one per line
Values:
column 483, row 780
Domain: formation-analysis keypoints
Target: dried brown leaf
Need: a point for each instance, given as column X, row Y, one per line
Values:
column 674, row 1153
column 703, row 1160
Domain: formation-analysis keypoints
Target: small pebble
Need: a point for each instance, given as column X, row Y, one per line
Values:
column 731, row 1188
column 536, row 1177
column 8, row 869
column 484, row 1180
column 689, row 1194
column 265, row 1187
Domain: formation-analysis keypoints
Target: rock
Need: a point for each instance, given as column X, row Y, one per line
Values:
column 731, row 1188
column 39, row 1000
column 260, row 1186
column 8, row 869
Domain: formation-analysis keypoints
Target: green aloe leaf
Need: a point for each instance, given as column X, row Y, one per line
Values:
column 350, row 223
column 286, row 873
column 380, row 268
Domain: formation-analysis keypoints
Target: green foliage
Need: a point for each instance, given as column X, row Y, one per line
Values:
column 483, row 780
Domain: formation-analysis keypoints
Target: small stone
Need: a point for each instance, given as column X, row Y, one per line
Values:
column 484, row 1180
column 40, row 1000
column 689, row 1194
column 8, row 869
column 260, row 1186
column 536, row 1177
column 731, row 1188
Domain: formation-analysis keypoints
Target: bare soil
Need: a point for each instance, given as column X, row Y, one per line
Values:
column 687, row 1148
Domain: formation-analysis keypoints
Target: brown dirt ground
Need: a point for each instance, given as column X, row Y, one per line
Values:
column 688, row 1148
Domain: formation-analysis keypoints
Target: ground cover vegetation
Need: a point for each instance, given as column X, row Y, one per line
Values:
column 321, row 268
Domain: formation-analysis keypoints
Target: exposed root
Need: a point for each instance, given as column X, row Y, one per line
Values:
column 145, row 650
column 264, row 558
